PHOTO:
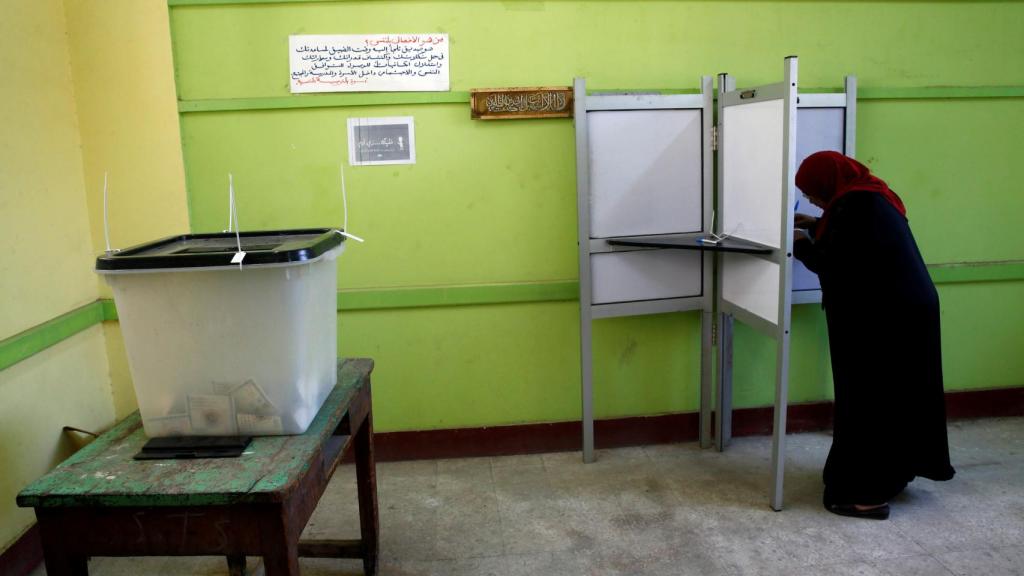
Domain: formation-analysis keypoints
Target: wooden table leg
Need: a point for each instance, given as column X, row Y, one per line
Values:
column 56, row 557
column 280, row 551
column 366, row 481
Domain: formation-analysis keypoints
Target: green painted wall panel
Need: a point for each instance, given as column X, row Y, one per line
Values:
column 810, row 376
column 977, row 272
column 457, row 295
column 469, row 366
column 982, row 335
column 952, row 163
column 646, row 365
column 38, row 338
column 485, row 202
column 493, row 365
column 232, row 51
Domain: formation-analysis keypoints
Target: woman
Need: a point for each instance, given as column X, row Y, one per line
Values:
column 883, row 326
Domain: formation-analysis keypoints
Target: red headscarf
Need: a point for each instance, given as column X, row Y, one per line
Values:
column 830, row 175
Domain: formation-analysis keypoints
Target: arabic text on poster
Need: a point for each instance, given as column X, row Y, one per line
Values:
column 369, row 63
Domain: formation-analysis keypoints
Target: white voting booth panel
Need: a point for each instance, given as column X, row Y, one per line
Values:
column 754, row 282
column 752, row 195
column 824, row 122
column 816, row 129
column 645, row 172
column 645, row 275
column 819, row 129
column 645, row 178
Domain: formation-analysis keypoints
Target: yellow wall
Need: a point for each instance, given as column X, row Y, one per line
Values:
column 46, row 268
column 120, row 377
column 65, row 385
column 88, row 88
column 128, row 118
column 44, row 271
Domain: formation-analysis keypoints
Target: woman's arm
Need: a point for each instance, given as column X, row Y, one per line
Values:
column 805, row 251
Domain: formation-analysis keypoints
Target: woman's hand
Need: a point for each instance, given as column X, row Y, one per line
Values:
column 804, row 221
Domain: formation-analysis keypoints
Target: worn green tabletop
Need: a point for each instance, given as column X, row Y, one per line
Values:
column 104, row 473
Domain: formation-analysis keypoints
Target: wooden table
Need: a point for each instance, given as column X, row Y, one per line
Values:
column 101, row 502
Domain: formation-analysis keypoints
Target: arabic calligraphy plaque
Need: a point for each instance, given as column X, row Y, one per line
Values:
column 507, row 103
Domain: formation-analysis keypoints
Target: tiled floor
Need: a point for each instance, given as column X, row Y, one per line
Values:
column 670, row 509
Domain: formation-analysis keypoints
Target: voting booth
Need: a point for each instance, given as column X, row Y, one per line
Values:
column 643, row 169
column 653, row 240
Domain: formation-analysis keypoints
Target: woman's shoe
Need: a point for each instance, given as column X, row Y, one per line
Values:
column 875, row 513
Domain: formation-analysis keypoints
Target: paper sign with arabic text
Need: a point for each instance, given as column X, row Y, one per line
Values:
column 368, row 63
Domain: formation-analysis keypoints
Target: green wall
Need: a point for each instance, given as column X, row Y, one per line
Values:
column 494, row 203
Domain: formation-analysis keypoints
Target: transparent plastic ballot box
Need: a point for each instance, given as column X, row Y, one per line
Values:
column 224, row 344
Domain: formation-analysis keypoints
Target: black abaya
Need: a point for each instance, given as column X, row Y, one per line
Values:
column 883, row 326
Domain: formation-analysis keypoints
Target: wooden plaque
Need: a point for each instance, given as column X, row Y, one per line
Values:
column 505, row 103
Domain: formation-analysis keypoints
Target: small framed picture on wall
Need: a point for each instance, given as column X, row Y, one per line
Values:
column 389, row 140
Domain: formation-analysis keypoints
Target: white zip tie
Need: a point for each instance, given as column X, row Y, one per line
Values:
column 233, row 214
column 231, row 202
column 344, row 203
column 344, row 196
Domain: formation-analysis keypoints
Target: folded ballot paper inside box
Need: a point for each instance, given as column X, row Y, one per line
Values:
column 221, row 344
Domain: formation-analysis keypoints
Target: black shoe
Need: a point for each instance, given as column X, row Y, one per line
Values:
column 877, row 513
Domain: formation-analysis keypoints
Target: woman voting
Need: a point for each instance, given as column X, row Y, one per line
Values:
column 883, row 326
